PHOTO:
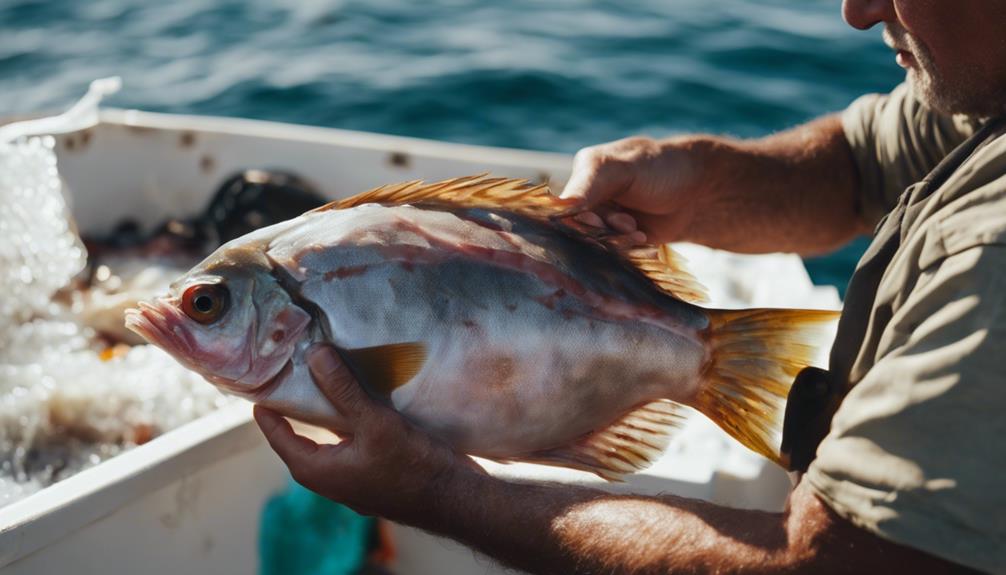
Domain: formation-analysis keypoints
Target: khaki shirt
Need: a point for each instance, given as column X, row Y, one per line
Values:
column 917, row 450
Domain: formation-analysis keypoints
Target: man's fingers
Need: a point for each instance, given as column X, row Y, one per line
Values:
column 658, row 228
column 621, row 222
column 635, row 239
column 626, row 241
column 620, row 229
column 336, row 383
column 309, row 463
column 294, row 450
column 589, row 218
column 591, row 181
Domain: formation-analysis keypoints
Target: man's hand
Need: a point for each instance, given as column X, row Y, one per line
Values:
column 636, row 186
column 794, row 191
column 383, row 466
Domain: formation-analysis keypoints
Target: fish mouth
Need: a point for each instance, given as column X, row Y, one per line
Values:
column 158, row 323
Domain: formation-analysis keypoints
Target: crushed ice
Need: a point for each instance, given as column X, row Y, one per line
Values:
column 66, row 401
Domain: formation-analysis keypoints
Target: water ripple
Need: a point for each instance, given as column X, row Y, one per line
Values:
column 521, row 73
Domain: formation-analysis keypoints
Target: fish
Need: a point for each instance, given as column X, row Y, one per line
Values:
column 485, row 315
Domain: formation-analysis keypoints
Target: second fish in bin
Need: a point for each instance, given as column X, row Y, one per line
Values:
column 130, row 264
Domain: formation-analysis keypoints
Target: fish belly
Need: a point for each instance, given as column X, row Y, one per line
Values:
column 514, row 363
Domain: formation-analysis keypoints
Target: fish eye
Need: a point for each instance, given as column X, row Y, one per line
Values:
column 205, row 303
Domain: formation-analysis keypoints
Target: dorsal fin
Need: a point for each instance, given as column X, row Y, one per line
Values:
column 661, row 264
column 479, row 191
column 666, row 268
column 628, row 445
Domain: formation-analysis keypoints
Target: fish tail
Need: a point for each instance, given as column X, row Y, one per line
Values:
column 755, row 354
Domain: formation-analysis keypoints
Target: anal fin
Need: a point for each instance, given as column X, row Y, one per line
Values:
column 626, row 446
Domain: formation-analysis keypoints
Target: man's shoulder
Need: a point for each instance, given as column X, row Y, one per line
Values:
column 972, row 212
column 895, row 141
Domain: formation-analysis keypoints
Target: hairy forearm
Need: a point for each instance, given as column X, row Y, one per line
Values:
column 793, row 191
column 389, row 468
column 545, row 528
column 563, row 529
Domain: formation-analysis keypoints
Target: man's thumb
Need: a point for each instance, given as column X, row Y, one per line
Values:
column 581, row 187
column 336, row 382
column 593, row 180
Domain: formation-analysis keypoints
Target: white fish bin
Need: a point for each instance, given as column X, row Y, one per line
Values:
column 191, row 500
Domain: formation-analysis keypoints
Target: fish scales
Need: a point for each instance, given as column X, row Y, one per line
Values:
column 503, row 355
column 504, row 331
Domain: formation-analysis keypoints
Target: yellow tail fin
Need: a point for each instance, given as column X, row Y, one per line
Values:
column 756, row 354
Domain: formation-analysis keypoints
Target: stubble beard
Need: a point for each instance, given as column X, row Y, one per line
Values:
column 960, row 91
column 963, row 95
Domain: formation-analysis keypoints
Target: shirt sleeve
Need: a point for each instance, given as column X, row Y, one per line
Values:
column 916, row 450
column 896, row 141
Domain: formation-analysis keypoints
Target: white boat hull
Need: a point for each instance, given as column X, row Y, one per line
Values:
column 190, row 500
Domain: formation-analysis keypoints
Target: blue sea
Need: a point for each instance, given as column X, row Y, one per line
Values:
column 553, row 76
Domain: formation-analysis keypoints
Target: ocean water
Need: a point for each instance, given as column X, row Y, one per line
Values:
column 554, row 75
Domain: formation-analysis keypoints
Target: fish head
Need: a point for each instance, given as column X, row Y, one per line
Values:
column 233, row 324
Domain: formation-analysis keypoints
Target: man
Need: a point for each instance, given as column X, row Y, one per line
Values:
column 909, row 477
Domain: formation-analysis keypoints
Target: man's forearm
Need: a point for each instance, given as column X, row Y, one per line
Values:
column 793, row 191
column 545, row 528
column 563, row 529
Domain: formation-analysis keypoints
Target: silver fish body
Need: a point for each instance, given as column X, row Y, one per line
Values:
column 523, row 354
column 506, row 334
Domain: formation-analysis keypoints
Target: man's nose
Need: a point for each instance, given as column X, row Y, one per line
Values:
column 863, row 14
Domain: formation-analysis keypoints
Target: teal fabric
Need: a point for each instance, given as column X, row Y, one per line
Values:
column 305, row 534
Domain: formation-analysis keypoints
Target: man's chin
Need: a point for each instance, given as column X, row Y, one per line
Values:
column 926, row 92
column 941, row 97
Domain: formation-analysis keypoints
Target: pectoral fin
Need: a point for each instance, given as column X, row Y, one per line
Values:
column 385, row 368
column 626, row 446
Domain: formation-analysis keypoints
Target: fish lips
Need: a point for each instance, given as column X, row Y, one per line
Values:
column 160, row 323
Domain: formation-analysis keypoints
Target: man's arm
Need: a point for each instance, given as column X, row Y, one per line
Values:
column 386, row 467
column 563, row 529
column 793, row 191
